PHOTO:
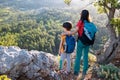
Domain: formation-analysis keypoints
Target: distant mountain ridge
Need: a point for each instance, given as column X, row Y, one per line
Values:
column 31, row 4
column 35, row 4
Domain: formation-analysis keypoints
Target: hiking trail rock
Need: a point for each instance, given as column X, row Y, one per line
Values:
column 21, row 64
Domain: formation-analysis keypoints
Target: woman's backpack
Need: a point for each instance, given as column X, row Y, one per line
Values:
column 88, row 35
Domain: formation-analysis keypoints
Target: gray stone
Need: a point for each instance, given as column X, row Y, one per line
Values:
column 20, row 63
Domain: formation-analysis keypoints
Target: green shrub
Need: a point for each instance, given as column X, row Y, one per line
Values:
column 109, row 72
column 4, row 77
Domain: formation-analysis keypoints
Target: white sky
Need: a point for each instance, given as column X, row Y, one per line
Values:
column 80, row 3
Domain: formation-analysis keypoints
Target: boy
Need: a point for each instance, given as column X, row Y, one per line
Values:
column 67, row 26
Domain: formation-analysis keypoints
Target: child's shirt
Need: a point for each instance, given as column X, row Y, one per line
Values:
column 63, row 43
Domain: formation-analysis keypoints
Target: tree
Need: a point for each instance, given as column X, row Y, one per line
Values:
column 113, row 45
column 9, row 40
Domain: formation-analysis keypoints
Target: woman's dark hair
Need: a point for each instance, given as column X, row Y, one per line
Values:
column 67, row 26
column 85, row 15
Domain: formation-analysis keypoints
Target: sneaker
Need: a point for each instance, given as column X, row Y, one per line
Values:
column 76, row 73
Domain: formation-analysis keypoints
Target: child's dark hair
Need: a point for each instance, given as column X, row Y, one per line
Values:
column 67, row 26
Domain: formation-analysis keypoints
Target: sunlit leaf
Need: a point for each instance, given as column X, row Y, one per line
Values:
column 67, row 2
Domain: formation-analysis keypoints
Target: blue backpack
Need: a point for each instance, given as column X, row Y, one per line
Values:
column 88, row 35
column 70, row 44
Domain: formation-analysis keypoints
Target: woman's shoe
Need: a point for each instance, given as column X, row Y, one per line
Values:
column 76, row 73
column 83, row 77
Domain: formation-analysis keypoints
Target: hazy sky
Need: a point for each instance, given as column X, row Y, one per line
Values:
column 77, row 3
column 40, row 3
column 81, row 3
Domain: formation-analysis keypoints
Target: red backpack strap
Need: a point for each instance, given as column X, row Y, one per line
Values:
column 80, row 26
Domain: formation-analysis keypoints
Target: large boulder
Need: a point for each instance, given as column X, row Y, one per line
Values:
column 21, row 64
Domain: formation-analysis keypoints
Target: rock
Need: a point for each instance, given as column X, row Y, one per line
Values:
column 21, row 64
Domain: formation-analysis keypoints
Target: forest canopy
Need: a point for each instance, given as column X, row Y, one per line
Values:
column 40, row 29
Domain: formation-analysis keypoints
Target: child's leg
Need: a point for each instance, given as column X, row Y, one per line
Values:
column 62, row 58
column 68, row 62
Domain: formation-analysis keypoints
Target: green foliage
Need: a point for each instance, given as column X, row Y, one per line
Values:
column 99, row 7
column 9, row 40
column 109, row 3
column 67, row 2
column 104, row 6
column 38, row 30
column 108, row 72
column 116, row 23
column 37, row 39
column 4, row 77
column 109, row 7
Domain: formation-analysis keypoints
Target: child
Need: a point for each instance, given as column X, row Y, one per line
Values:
column 67, row 28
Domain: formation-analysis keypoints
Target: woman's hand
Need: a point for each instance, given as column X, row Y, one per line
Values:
column 63, row 34
column 67, row 33
column 71, row 32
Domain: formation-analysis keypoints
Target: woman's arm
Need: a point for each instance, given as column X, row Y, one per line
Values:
column 75, row 31
column 71, row 33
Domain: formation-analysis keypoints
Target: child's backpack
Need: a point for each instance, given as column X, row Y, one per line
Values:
column 70, row 44
column 88, row 35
